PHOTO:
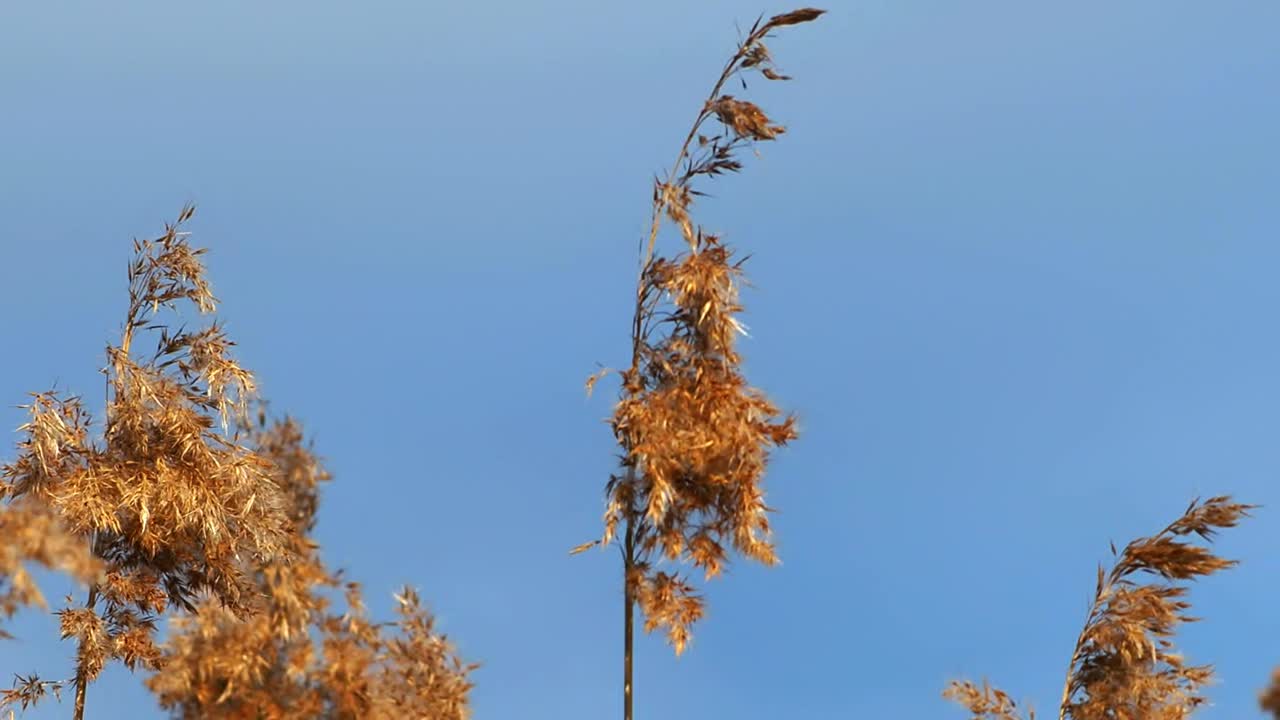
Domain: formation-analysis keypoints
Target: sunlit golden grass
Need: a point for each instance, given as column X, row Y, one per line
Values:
column 296, row 656
column 1124, row 665
column 695, row 436
column 182, row 507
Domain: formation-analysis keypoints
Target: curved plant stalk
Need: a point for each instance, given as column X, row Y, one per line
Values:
column 297, row 657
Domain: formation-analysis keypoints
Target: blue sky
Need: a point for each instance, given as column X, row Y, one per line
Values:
column 1015, row 272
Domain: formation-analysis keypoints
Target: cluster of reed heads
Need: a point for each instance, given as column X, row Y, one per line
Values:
column 191, row 505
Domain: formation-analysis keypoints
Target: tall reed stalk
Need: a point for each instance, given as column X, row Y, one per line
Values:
column 169, row 500
column 695, row 437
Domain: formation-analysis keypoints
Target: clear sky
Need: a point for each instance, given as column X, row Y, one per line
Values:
column 1015, row 268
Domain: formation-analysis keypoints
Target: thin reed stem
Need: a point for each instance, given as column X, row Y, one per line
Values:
column 628, row 615
column 82, row 680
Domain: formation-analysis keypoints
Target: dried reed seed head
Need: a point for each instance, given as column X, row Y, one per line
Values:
column 986, row 702
column 745, row 118
column 699, row 434
column 795, row 17
column 220, row 665
column 27, row 691
column 695, row 436
column 177, row 510
column 183, row 514
column 1125, row 665
column 294, row 657
column 296, row 469
column 667, row 601
column 677, row 199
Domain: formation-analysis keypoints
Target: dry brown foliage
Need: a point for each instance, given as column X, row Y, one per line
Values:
column 695, row 435
column 186, row 504
column 986, row 702
column 218, row 664
column 170, row 502
column 294, row 658
column 1124, row 665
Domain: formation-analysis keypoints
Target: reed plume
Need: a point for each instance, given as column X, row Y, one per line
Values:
column 1124, row 665
column 170, row 504
column 296, row 657
column 695, row 436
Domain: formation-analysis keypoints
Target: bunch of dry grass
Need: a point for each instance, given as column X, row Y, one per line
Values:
column 384, row 676
column 1124, row 665
column 695, row 436
column 170, row 502
column 295, row 658
column 218, row 664
column 187, row 504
